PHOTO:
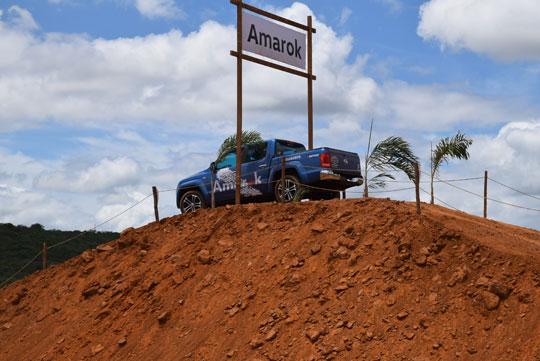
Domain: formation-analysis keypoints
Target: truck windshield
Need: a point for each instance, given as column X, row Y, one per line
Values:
column 284, row 147
column 228, row 161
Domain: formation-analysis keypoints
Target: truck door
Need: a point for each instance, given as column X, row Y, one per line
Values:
column 225, row 178
column 255, row 170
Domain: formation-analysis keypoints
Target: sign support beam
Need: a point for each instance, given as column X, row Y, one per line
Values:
column 238, row 103
column 310, row 86
column 239, row 3
column 272, row 65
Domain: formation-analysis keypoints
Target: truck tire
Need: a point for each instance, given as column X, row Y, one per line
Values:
column 191, row 201
column 292, row 186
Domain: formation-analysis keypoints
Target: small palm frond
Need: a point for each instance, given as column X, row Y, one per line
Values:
column 379, row 181
column 447, row 148
column 301, row 194
column 248, row 137
column 394, row 153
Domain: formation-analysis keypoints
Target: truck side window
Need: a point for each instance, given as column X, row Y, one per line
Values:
column 228, row 161
column 287, row 147
column 255, row 152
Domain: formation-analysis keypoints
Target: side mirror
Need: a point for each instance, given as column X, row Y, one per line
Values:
column 213, row 166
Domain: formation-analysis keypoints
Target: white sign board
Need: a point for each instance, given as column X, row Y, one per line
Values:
column 273, row 41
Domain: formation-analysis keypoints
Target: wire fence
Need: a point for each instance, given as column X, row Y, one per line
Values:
column 440, row 200
column 276, row 177
column 40, row 253
column 515, row 190
column 390, row 181
column 489, row 198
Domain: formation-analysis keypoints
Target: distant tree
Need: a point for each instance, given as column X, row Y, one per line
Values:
column 19, row 243
column 249, row 137
column 446, row 149
column 392, row 153
column 36, row 227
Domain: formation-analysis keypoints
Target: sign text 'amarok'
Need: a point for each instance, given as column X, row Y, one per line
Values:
column 273, row 41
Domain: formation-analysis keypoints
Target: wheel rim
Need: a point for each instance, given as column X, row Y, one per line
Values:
column 191, row 203
column 290, row 190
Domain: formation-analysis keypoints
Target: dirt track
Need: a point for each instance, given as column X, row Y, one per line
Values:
column 343, row 280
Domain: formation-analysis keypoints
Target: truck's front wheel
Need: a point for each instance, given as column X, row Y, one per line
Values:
column 191, row 201
column 292, row 185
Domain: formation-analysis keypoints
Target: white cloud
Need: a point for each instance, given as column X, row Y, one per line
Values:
column 170, row 77
column 100, row 177
column 137, row 216
column 439, row 108
column 84, row 194
column 341, row 133
column 502, row 29
column 159, row 9
column 22, row 206
column 152, row 9
column 512, row 155
column 18, row 170
column 395, row 5
column 345, row 15
column 73, row 79
column 421, row 70
column 21, row 18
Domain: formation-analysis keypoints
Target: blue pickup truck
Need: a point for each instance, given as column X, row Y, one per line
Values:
column 320, row 169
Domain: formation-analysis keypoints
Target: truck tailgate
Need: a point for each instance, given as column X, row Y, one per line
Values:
column 344, row 163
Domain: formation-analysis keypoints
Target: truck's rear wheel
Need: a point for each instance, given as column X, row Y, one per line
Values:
column 191, row 201
column 292, row 186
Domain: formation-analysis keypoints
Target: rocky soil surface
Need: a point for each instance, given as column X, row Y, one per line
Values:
column 357, row 279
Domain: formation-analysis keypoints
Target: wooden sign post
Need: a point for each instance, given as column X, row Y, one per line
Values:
column 276, row 42
column 485, row 193
column 44, row 255
column 156, row 200
column 283, row 180
column 238, row 103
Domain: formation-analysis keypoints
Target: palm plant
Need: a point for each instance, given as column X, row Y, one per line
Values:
column 446, row 149
column 248, row 137
column 392, row 153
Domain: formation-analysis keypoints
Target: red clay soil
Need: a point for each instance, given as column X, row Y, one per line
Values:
column 364, row 279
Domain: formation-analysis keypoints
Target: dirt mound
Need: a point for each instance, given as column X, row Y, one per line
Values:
column 364, row 279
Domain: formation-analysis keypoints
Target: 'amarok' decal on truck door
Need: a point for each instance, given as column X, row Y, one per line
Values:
column 226, row 181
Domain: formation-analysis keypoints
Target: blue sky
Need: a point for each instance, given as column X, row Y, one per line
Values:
column 101, row 99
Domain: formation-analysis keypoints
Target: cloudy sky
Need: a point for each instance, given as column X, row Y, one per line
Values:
column 101, row 99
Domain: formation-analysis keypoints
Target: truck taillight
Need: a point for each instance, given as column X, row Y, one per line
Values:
column 325, row 160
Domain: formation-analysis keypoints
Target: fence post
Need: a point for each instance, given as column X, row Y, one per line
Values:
column 156, row 198
column 485, row 193
column 417, row 186
column 44, row 255
column 212, row 192
column 283, row 180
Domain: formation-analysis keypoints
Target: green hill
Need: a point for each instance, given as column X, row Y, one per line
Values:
column 18, row 244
